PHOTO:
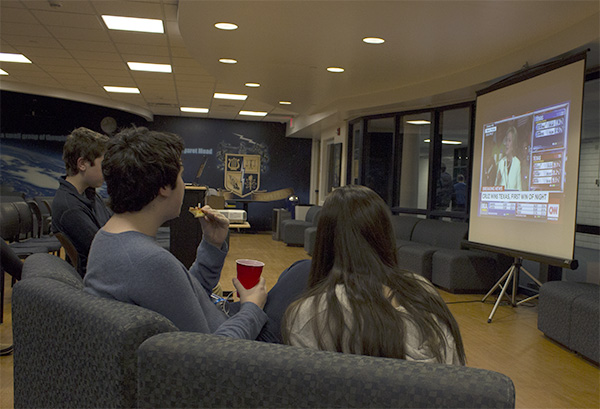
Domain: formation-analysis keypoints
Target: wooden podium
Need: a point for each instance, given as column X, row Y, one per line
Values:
column 186, row 232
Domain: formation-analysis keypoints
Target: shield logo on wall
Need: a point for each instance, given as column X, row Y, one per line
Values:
column 242, row 174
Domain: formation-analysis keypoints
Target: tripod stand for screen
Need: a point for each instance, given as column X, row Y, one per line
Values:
column 511, row 274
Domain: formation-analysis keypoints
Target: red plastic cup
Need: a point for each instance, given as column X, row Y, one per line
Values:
column 249, row 271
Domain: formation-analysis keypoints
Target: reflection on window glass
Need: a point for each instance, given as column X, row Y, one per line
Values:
column 415, row 160
column 379, row 156
column 451, row 187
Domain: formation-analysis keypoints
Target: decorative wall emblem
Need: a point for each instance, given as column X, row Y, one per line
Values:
column 242, row 174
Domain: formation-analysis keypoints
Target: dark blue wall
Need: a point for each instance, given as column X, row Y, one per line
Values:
column 33, row 130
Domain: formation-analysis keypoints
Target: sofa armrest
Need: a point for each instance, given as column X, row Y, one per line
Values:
column 202, row 370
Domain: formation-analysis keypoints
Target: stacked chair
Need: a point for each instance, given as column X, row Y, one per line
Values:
column 21, row 225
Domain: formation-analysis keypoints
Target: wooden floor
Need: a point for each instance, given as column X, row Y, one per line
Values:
column 545, row 374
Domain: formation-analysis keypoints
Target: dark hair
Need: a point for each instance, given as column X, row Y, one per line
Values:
column 355, row 246
column 137, row 163
column 83, row 143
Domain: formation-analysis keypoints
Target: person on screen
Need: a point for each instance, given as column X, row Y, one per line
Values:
column 77, row 210
column 358, row 300
column 509, row 167
column 143, row 169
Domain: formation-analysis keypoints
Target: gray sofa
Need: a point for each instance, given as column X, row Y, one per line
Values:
column 292, row 231
column 76, row 350
column 73, row 349
column 435, row 249
column 569, row 313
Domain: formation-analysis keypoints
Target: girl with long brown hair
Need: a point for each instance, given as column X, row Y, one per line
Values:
column 358, row 300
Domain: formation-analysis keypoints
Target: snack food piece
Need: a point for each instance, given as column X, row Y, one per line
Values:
column 196, row 211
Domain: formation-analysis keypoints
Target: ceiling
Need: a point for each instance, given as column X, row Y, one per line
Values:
column 435, row 52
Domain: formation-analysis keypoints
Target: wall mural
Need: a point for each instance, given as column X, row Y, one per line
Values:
column 33, row 130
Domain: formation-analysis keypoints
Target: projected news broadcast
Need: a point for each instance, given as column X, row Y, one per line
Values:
column 523, row 166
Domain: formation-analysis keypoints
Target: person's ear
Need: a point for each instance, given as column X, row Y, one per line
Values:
column 82, row 164
column 165, row 191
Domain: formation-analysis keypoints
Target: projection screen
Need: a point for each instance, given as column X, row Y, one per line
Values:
column 526, row 162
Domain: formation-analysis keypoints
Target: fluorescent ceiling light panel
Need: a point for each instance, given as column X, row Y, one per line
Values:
column 235, row 97
column 285, row 102
column 144, row 25
column 9, row 57
column 418, row 122
column 445, row 142
column 253, row 113
column 122, row 90
column 373, row 40
column 196, row 110
column 228, row 61
column 2, row 72
column 335, row 69
column 226, row 26
column 145, row 66
column 252, row 84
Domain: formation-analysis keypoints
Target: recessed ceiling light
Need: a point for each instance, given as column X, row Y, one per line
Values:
column 226, row 26
column 2, row 72
column 418, row 122
column 253, row 113
column 285, row 102
column 252, row 84
column 196, row 110
column 335, row 69
column 236, row 97
column 9, row 57
column 122, row 90
column 373, row 40
column 144, row 25
column 228, row 61
column 144, row 66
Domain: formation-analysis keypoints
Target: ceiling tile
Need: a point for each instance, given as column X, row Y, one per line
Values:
column 79, row 34
column 85, row 56
column 138, row 49
column 20, row 40
column 67, row 6
column 16, row 28
column 70, row 20
column 129, row 9
column 65, row 69
column 96, row 46
column 32, row 52
column 21, row 15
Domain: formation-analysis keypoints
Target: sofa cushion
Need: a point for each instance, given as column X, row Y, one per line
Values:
column 404, row 226
column 416, row 258
column 555, row 309
column 439, row 233
column 467, row 271
column 585, row 320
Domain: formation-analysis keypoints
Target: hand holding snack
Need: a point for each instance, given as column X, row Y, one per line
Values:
column 196, row 211
column 215, row 226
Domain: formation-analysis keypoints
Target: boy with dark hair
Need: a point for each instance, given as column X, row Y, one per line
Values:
column 77, row 210
column 143, row 170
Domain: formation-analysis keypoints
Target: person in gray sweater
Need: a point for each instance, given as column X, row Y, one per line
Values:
column 142, row 170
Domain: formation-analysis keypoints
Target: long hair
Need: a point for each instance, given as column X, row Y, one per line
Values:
column 356, row 247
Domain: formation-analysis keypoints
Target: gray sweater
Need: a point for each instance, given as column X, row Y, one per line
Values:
column 131, row 267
